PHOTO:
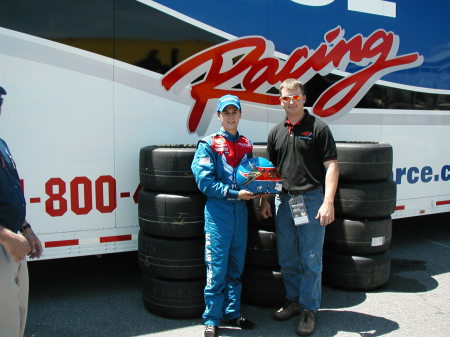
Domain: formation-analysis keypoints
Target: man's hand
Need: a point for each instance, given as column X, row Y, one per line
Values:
column 326, row 213
column 246, row 195
column 35, row 243
column 265, row 210
column 16, row 245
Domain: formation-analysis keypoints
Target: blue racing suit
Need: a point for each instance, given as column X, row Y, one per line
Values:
column 214, row 166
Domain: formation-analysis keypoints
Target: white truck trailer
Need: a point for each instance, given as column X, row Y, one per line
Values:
column 91, row 82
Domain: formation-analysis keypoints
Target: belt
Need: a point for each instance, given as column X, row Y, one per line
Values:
column 291, row 192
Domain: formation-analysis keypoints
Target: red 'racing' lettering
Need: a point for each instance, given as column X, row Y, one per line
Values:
column 257, row 70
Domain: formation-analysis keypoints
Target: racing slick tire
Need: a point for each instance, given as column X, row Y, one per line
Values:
column 261, row 248
column 171, row 258
column 171, row 215
column 366, row 200
column 167, row 168
column 354, row 272
column 364, row 161
column 370, row 236
column 263, row 287
column 174, row 298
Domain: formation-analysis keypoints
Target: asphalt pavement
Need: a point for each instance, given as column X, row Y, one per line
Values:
column 101, row 296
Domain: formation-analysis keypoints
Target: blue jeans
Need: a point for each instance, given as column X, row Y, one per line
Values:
column 300, row 250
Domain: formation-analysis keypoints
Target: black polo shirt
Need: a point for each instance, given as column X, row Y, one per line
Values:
column 12, row 201
column 299, row 155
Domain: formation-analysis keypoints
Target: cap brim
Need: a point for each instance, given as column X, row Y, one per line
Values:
column 223, row 106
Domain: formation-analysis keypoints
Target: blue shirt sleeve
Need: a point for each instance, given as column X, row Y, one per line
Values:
column 204, row 170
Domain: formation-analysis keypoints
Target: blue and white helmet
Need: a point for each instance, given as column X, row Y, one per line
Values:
column 259, row 175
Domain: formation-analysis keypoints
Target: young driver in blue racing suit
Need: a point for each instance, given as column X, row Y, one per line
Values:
column 214, row 166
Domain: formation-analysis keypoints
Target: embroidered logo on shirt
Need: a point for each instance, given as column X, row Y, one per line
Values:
column 306, row 135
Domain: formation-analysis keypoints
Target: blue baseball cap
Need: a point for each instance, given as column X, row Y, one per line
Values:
column 228, row 100
column 2, row 91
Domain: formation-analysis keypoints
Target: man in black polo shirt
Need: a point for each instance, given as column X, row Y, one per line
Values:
column 303, row 149
column 14, row 247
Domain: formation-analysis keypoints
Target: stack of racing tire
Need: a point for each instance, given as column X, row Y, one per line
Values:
column 356, row 248
column 171, row 240
column 262, row 281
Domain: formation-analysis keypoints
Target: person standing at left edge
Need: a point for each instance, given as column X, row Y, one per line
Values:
column 214, row 167
column 14, row 246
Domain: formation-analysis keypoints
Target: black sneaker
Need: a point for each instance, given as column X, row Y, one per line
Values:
column 240, row 322
column 306, row 323
column 210, row 331
column 287, row 311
